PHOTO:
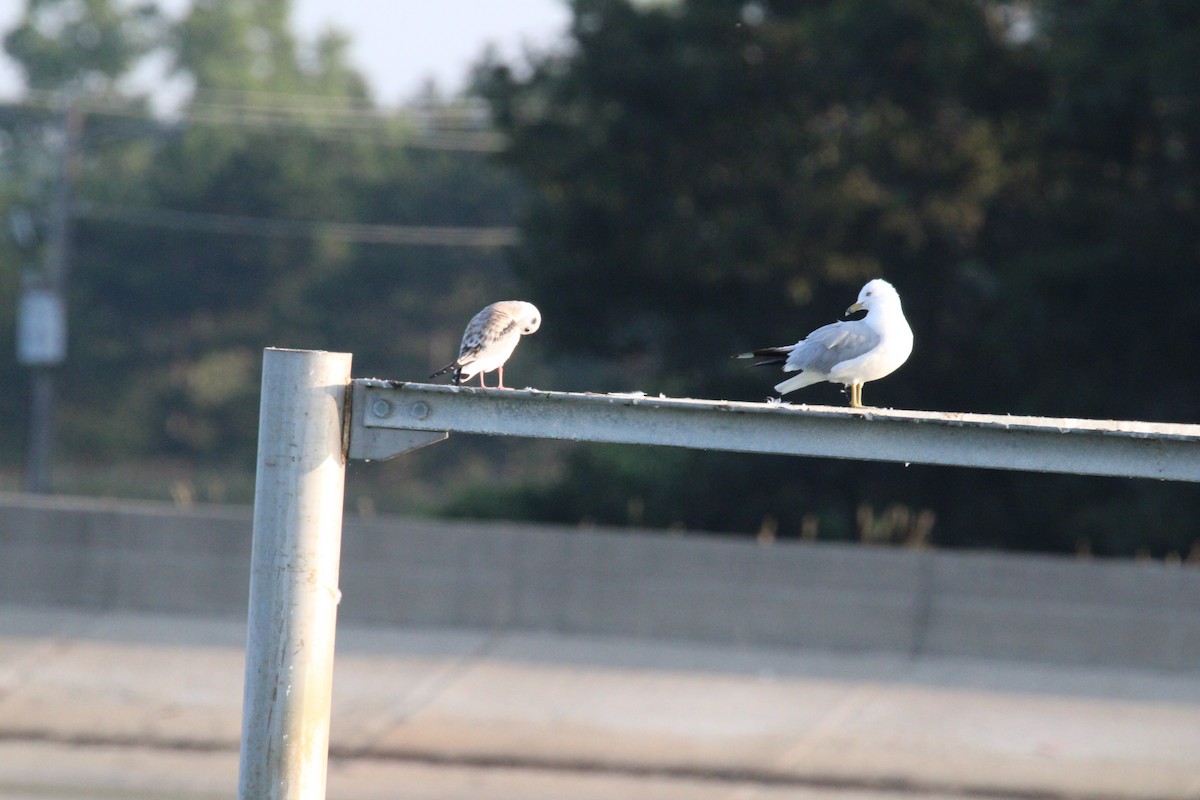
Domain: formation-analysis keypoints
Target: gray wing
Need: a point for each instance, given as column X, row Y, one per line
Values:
column 830, row 345
column 485, row 328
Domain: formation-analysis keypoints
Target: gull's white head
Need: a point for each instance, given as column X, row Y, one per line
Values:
column 875, row 294
column 528, row 317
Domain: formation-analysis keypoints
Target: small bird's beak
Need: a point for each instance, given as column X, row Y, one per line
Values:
column 853, row 308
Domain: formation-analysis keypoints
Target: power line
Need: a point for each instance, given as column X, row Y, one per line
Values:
column 460, row 128
column 428, row 235
column 468, row 113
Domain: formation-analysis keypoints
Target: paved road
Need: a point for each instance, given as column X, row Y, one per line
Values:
column 141, row 707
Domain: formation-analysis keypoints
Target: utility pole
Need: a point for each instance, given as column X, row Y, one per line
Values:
column 42, row 313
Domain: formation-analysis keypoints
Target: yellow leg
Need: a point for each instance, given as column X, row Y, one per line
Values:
column 856, row 395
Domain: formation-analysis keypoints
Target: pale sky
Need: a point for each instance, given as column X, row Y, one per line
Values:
column 397, row 44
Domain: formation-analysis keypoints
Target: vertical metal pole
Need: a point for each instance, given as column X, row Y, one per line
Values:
column 40, row 448
column 58, row 256
column 53, row 324
column 294, row 575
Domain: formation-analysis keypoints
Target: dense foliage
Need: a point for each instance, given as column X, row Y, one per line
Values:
column 711, row 176
column 691, row 179
column 179, row 279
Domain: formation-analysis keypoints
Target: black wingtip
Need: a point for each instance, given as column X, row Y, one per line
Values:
column 444, row 370
column 769, row 356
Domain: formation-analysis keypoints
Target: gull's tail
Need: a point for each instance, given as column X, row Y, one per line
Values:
column 452, row 366
column 769, row 356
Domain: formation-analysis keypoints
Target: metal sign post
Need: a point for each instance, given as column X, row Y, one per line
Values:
column 295, row 560
column 314, row 417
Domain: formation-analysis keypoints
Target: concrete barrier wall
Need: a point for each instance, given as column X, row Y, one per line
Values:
column 397, row 571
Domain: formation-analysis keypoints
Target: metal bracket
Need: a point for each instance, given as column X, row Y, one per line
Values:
column 371, row 443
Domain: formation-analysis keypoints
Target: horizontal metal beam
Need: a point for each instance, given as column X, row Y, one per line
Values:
column 1086, row 447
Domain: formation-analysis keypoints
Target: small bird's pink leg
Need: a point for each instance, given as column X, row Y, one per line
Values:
column 481, row 383
column 500, row 385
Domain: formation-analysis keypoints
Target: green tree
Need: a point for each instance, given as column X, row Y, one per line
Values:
column 272, row 134
column 64, row 49
column 699, row 162
column 709, row 176
column 1111, row 236
column 1097, row 261
column 202, row 240
column 82, row 43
